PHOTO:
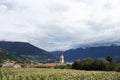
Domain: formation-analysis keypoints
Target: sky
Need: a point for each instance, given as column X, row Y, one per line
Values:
column 60, row 24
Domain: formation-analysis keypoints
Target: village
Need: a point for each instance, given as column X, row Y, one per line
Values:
column 15, row 64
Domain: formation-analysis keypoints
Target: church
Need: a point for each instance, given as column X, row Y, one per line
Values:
column 61, row 58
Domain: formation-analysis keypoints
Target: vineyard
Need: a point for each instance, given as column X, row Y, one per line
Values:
column 55, row 74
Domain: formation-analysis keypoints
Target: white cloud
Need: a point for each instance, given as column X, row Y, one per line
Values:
column 60, row 24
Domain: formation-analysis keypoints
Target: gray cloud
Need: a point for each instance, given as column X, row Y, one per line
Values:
column 60, row 25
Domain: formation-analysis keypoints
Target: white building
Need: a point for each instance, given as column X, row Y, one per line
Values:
column 62, row 58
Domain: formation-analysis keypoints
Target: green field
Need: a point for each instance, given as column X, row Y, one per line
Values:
column 55, row 74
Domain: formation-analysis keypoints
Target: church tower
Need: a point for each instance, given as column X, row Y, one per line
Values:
column 61, row 58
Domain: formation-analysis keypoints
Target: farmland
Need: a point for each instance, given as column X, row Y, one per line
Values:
column 55, row 74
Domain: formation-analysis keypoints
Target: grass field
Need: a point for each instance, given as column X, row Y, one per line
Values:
column 55, row 74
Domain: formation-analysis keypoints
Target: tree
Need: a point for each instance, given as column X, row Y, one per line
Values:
column 108, row 58
column 86, row 64
column 101, row 64
column 76, row 65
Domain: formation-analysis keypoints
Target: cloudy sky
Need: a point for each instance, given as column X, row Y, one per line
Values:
column 60, row 24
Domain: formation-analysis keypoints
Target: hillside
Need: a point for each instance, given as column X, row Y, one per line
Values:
column 93, row 52
column 5, row 55
column 27, row 51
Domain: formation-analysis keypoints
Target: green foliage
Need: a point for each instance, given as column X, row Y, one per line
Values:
column 87, row 63
column 68, row 66
column 60, row 67
column 108, row 58
column 106, row 64
column 76, row 65
column 118, row 68
column 3, row 54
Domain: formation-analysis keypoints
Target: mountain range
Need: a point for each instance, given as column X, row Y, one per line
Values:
column 23, row 51
column 27, row 51
column 93, row 52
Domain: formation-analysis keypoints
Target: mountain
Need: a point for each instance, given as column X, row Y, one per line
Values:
column 4, row 55
column 27, row 51
column 93, row 52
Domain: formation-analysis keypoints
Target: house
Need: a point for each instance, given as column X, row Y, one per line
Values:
column 17, row 66
column 7, row 64
column 11, row 64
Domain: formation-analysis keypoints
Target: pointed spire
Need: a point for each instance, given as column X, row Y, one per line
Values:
column 61, row 53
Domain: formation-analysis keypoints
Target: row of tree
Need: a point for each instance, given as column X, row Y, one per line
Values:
column 103, row 64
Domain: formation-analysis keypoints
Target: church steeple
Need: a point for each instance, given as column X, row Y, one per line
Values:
column 61, row 58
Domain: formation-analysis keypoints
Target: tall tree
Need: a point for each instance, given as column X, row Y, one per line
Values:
column 109, row 59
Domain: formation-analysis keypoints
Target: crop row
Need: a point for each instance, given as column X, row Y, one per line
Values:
column 55, row 74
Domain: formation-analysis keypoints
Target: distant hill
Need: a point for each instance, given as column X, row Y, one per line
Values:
column 27, row 51
column 93, row 52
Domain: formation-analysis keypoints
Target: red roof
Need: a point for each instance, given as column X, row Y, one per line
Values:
column 50, row 64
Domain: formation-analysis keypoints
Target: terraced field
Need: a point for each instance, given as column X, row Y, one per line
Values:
column 55, row 74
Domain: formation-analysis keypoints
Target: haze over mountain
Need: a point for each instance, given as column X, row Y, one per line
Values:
column 27, row 51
